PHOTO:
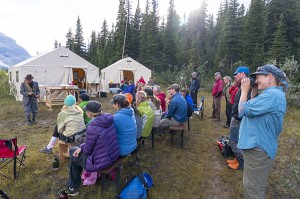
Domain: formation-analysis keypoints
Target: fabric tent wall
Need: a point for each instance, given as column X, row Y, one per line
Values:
column 53, row 69
column 114, row 72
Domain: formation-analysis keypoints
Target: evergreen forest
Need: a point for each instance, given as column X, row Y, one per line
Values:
column 266, row 32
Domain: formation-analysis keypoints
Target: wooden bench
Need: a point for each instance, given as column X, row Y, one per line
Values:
column 64, row 150
column 175, row 128
column 117, row 165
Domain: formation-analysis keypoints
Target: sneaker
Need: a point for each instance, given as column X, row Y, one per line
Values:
column 46, row 150
column 71, row 191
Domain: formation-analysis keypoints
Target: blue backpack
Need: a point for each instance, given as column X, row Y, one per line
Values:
column 137, row 188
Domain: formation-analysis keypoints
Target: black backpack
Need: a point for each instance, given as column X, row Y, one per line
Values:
column 224, row 146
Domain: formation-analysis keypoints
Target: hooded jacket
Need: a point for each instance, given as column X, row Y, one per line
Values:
column 147, row 116
column 101, row 146
column 70, row 120
column 125, row 124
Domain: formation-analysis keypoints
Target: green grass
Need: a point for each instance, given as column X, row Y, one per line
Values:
column 196, row 171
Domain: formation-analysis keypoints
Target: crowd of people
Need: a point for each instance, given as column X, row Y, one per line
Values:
column 254, row 117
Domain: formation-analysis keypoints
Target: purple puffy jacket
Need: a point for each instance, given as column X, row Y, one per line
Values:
column 101, row 146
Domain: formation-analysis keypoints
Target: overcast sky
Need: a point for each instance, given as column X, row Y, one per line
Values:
column 35, row 24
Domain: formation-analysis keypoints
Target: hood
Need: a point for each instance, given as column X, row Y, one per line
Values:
column 162, row 94
column 105, row 120
column 72, row 110
column 126, row 111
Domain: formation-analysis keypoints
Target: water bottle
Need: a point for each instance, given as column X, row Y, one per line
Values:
column 55, row 163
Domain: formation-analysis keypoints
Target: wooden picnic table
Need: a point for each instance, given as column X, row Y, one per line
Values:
column 55, row 95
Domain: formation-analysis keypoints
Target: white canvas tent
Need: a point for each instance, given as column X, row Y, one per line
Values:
column 122, row 69
column 54, row 68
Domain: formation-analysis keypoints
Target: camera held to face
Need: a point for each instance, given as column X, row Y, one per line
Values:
column 252, row 81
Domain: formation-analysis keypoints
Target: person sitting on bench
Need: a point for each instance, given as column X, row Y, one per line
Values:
column 100, row 150
column 177, row 109
column 70, row 124
column 125, row 124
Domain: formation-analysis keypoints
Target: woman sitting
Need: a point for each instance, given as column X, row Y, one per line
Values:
column 125, row 124
column 146, row 113
column 100, row 150
column 70, row 124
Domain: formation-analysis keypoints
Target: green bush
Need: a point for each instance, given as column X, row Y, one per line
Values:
column 6, row 90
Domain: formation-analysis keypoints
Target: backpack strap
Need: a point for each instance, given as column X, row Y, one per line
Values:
column 141, row 177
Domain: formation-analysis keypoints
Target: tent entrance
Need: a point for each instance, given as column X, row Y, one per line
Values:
column 79, row 77
column 128, row 74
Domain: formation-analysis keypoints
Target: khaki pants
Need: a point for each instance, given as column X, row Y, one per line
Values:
column 257, row 167
column 216, row 106
column 165, row 123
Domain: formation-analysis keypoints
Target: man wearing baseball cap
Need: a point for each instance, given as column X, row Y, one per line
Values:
column 261, row 126
column 177, row 109
column 238, row 162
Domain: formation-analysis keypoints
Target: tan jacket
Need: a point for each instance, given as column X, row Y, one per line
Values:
column 70, row 120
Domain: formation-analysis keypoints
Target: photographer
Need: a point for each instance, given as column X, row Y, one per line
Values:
column 261, row 125
column 238, row 162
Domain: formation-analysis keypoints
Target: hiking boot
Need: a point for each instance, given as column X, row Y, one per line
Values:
column 216, row 119
column 212, row 117
column 71, row 191
column 234, row 166
column 34, row 122
column 234, row 161
column 46, row 150
column 29, row 123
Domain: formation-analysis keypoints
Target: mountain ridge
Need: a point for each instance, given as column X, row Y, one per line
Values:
column 10, row 52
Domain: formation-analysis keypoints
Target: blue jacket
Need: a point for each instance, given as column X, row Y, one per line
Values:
column 101, row 146
column 129, row 89
column 262, row 121
column 177, row 108
column 189, row 100
column 126, row 130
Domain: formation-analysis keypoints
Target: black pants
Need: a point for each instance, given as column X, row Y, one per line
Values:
column 77, row 165
column 228, row 113
column 194, row 97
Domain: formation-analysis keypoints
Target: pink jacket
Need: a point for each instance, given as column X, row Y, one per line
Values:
column 218, row 87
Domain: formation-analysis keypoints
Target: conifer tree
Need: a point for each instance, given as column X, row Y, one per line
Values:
column 253, row 48
column 119, row 34
column 93, row 55
column 79, row 45
column 136, row 32
column 70, row 40
column 171, row 34
column 279, row 48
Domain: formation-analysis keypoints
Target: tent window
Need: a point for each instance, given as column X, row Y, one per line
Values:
column 10, row 77
column 17, row 76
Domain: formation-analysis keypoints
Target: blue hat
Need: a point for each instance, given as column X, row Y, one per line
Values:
column 242, row 69
column 70, row 100
column 269, row 69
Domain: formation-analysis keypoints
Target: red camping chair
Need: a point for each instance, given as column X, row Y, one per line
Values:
column 11, row 152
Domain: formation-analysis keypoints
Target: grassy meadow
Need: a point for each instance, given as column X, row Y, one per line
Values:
column 198, row 170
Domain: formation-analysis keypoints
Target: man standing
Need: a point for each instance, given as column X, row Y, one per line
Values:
column 194, row 87
column 217, row 95
column 30, row 91
column 238, row 162
column 177, row 109
column 227, row 86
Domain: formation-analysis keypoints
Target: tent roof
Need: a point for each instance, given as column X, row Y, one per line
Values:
column 120, row 65
column 59, row 57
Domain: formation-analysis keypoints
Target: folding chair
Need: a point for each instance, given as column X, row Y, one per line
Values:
column 11, row 152
column 198, row 109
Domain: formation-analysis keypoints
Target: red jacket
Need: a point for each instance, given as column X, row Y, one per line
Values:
column 233, row 90
column 218, row 87
column 162, row 97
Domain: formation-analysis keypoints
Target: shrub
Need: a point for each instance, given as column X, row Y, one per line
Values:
column 5, row 88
